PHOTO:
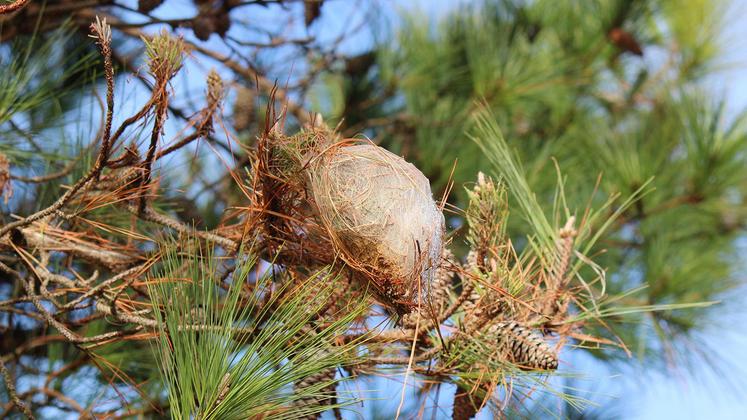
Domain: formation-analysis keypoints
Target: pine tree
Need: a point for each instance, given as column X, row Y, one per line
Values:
column 173, row 253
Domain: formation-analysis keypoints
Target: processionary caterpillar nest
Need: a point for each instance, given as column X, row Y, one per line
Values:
column 374, row 209
column 380, row 214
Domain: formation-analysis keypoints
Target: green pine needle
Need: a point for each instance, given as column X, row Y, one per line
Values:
column 236, row 353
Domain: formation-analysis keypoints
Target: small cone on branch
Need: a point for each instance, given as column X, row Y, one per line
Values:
column 442, row 284
column 222, row 23
column 623, row 40
column 438, row 295
column 523, row 346
column 146, row 6
column 465, row 407
column 203, row 27
column 312, row 10
column 326, row 396
column 214, row 89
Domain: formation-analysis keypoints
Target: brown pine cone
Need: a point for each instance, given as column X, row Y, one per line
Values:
column 145, row 6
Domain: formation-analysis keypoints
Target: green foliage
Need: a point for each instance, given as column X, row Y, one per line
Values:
column 48, row 71
column 235, row 351
column 487, row 213
column 651, row 167
column 42, row 72
column 165, row 55
column 496, row 150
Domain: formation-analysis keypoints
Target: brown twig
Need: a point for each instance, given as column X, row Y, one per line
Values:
column 45, row 238
column 151, row 154
column 10, row 386
column 151, row 215
column 103, row 33
column 13, row 7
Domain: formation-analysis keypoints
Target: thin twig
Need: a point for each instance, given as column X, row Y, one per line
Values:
column 103, row 33
column 151, row 215
column 13, row 7
column 10, row 386
column 48, row 177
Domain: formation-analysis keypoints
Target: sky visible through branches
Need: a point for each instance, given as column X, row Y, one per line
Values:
column 701, row 393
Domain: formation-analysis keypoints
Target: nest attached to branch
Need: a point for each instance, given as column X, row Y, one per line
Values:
column 379, row 212
column 374, row 208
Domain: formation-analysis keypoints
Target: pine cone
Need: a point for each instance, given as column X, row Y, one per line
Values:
column 623, row 40
column 203, row 26
column 438, row 295
column 472, row 311
column 523, row 346
column 145, row 6
column 464, row 406
column 327, row 397
column 222, row 23
column 312, row 10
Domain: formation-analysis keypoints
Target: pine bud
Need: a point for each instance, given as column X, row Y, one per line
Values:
column 214, row 89
column 223, row 388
